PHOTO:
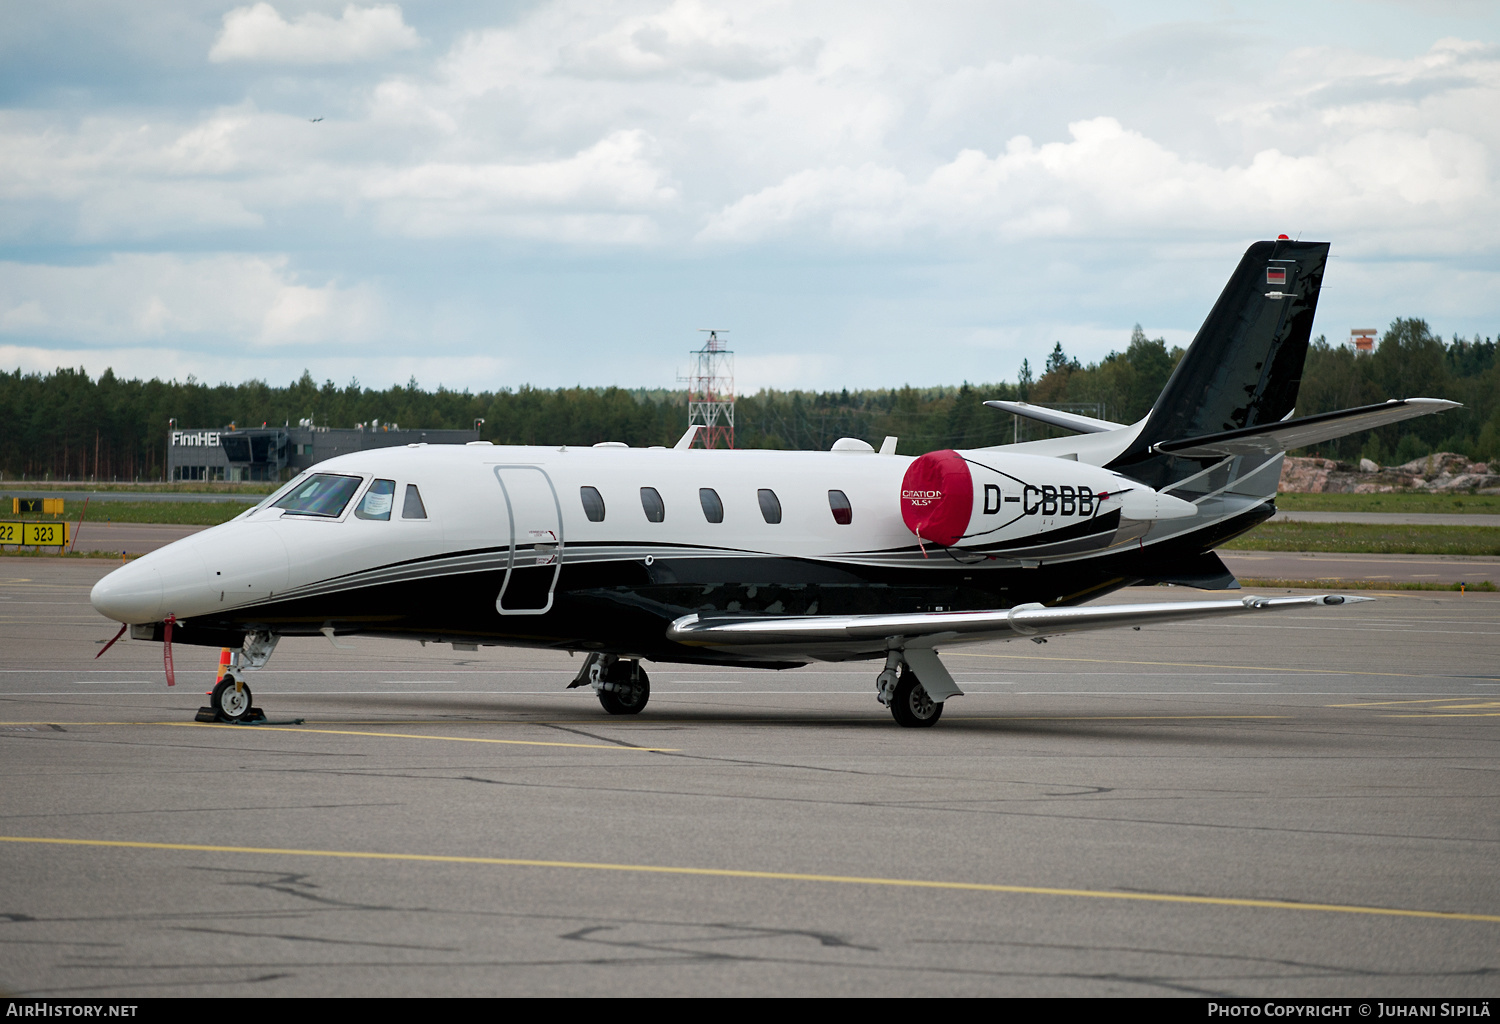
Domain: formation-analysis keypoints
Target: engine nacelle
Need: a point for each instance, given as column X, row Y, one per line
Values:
column 1011, row 504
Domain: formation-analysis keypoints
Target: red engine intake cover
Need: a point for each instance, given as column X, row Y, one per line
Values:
column 937, row 497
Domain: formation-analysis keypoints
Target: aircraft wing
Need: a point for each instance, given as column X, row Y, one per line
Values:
column 835, row 636
column 1275, row 438
column 1055, row 418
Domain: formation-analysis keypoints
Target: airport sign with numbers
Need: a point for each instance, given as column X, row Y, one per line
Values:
column 36, row 534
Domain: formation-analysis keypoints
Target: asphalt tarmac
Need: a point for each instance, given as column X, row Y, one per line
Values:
column 1391, row 518
column 134, row 538
column 1321, row 565
column 1298, row 804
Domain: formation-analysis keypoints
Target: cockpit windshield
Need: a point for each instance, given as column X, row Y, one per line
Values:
column 276, row 495
column 322, row 494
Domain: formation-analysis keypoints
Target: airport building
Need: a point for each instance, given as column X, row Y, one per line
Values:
column 277, row 453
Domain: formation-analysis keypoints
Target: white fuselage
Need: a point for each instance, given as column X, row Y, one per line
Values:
column 472, row 522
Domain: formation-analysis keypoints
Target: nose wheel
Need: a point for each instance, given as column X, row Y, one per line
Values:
column 231, row 702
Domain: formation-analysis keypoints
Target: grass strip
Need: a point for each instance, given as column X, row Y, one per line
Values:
column 1370, row 539
column 173, row 513
column 52, row 486
column 1406, row 503
column 1483, row 586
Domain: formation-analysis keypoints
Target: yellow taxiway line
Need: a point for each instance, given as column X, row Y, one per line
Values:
column 1388, row 703
column 1452, row 707
column 776, row 876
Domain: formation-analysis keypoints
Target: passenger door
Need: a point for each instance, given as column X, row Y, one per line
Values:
column 536, row 540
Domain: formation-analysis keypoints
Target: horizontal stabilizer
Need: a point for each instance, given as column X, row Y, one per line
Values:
column 1054, row 418
column 855, row 633
column 1275, row 438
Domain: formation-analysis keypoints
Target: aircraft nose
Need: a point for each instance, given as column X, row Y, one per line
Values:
column 132, row 593
column 169, row 581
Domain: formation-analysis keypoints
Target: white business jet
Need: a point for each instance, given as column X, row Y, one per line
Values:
column 774, row 559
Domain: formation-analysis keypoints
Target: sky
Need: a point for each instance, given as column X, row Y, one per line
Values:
column 864, row 194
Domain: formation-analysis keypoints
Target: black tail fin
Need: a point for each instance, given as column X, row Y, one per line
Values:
column 1244, row 367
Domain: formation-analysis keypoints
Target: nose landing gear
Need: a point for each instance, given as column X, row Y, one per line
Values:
column 230, row 700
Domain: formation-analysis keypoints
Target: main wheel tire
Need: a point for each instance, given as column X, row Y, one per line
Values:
column 632, row 689
column 911, row 706
column 233, row 705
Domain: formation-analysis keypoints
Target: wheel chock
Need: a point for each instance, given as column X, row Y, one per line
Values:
column 208, row 714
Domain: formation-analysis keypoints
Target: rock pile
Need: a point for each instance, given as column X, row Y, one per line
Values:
column 1440, row 472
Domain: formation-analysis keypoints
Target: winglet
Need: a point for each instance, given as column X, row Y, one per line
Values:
column 686, row 440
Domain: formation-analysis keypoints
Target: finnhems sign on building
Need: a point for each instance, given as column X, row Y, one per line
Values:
column 195, row 439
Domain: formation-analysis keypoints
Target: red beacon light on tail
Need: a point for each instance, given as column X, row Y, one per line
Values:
column 937, row 497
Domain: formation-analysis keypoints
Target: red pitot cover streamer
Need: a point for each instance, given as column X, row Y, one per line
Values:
column 166, row 651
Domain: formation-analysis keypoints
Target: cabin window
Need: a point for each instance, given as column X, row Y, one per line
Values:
column 843, row 512
column 713, row 508
column 593, row 503
column 322, row 494
column 412, row 507
column 652, row 503
column 770, row 505
column 377, row 502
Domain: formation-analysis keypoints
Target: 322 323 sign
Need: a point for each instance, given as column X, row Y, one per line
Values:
column 34, row 534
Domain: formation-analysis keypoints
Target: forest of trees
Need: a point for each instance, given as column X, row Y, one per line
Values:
column 65, row 425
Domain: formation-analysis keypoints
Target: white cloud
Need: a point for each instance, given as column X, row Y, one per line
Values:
column 1109, row 180
column 596, row 191
column 231, row 300
column 260, row 33
column 687, row 37
column 836, row 175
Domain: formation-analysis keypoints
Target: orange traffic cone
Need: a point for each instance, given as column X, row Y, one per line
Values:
column 223, row 664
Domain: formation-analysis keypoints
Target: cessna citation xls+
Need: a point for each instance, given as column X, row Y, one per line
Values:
column 774, row 559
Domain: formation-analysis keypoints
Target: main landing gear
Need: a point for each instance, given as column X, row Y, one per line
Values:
column 911, row 705
column 623, row 686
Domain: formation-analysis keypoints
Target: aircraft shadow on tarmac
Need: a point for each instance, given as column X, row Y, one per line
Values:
column 1124, row 723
